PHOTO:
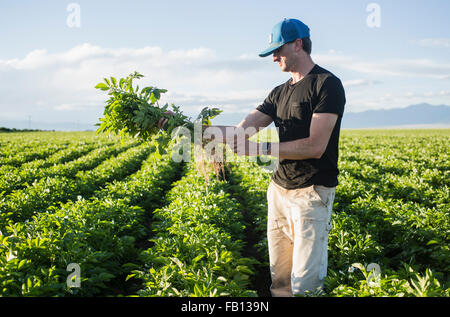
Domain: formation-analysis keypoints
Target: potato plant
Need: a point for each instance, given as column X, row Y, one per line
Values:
column 139, row 223
column 197, row 248
column 391, row 209
column 130, row 111
column 97, row 233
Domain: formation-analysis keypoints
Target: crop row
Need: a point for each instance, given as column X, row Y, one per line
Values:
column 131, row 234
column 19, row 148
column 28, row 153
column 98, row 234
column 391, row 209
column 17, row 177
column 198, row 243
column 21, row 204
column 249, row 184
column 408, row 241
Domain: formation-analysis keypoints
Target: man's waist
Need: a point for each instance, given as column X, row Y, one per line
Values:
column 300, row 180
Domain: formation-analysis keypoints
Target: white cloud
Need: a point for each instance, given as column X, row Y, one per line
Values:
column 55, row 84
column 34, row 59
column 234, row 101
column 360, row 82
column 65, row 81
column 435, row 42
column 388, row 67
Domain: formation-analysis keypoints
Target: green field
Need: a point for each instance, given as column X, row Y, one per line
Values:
column 137, row 223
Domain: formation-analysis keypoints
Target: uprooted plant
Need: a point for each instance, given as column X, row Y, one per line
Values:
column 133, row 112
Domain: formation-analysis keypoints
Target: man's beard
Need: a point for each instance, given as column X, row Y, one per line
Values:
column 285, row 66
column 288, row 65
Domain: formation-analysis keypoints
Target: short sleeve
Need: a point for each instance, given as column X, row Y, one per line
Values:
column 331, row 97
column 268, row 107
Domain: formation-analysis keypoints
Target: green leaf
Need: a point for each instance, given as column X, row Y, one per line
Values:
column 21, row 263
column 198, row 258
column 102, row 86
column 130, row 276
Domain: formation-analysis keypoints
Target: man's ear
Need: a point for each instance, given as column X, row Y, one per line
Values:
column 298, row 45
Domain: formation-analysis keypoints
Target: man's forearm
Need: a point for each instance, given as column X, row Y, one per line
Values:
column 312, row 147
column 256, row 120
column 250, row 125
column 301, row 149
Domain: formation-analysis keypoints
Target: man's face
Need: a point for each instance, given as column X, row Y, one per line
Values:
column 286, row 57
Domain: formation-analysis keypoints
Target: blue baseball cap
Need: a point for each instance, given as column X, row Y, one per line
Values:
column 284, row 32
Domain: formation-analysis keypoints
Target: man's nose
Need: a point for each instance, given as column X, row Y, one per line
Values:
column 275, row 57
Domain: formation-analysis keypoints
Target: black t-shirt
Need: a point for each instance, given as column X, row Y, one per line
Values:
column 291, row 108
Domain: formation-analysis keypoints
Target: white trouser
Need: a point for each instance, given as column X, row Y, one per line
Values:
column 297, row 230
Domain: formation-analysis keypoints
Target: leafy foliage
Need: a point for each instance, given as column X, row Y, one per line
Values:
column 139, row 223
column 197, row 248
column 137, row 112
column 391, row 208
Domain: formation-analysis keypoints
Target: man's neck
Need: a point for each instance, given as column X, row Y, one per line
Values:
column 303, row 69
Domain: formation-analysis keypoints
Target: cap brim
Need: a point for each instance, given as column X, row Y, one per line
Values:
column 272, row 48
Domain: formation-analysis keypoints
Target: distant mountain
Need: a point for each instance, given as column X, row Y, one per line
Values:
column 421, row 115
column 414, row 116
column 58, row 126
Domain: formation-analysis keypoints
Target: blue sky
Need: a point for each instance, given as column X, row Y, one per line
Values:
column 206, row 53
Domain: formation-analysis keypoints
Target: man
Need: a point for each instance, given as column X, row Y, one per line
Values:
column 307, row 111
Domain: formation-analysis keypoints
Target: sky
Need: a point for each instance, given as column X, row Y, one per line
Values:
column 387, row 53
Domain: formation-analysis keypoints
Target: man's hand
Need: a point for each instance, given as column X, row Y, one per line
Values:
column 162, row 122
column 313, row 147
column 242, row 146
column 219, row 133
column 237, row 136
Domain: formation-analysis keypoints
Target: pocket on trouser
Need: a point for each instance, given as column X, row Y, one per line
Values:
column 324, row 260
column 310, row 229
column 310, row 236
column 311, row 249
column 279, row 229
column 280, row 257
column 324, row 194
column 308, row 257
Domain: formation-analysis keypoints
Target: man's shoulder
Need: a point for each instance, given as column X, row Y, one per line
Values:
column 277, row 90
column 282, row 85
column 325, row 76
